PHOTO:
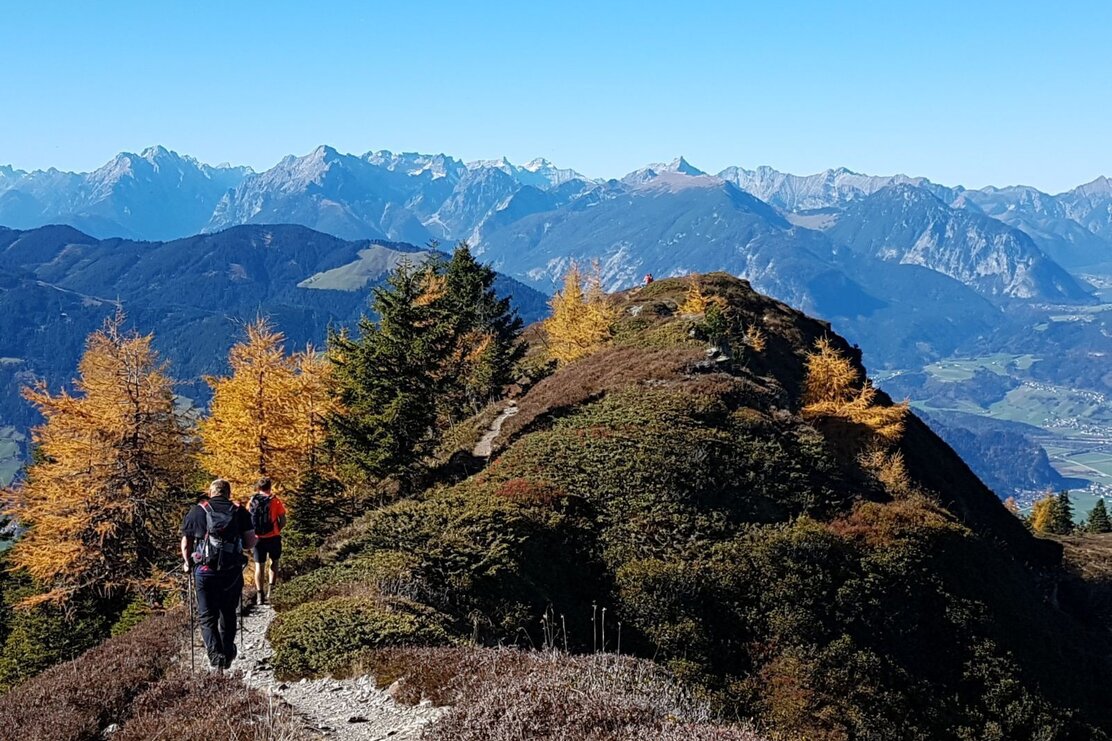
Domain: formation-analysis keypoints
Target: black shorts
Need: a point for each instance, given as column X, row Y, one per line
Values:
column 271, row 546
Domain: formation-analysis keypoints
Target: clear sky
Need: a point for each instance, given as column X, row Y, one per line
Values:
column 961, row 92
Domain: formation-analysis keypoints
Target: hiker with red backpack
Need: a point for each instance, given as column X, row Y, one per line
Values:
column 268, row 517
column 214, row 534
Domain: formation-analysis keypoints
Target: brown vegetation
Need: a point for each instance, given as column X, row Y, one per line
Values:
column 210, row 708
column 608, row 370
column 134, row 681
column 77, row 699
column 507, row 694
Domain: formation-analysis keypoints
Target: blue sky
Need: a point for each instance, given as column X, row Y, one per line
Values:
column 970, row 92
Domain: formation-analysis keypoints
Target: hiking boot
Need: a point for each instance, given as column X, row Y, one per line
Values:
column 260, row 598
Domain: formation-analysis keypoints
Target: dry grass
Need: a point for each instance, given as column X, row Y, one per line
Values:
column 207, row 708
column 134, row 681
column 504, row 694
column 75, row 700
column 1088, row 560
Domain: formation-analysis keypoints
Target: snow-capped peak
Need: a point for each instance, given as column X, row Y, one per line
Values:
column 682, row 166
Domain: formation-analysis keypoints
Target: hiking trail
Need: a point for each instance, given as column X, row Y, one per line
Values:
column 336, row 709
column 485, row 445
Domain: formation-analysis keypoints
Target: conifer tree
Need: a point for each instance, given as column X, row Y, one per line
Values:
column 1062, row 514
column 386, row 379
column 581, row 319
column 267, row 417
column 695, row 302
column 102, row 499
column 1098, row 521
column 486, row 334
column 1042, row 514
column 833, row 388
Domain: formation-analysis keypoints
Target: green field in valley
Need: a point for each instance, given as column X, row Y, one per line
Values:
column 1075, row 426
column 962, row 369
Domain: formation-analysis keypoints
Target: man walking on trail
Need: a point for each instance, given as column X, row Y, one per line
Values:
column 268, row 516
column 213, row 536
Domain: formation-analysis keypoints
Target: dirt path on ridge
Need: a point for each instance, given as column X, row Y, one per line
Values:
column 341, row 710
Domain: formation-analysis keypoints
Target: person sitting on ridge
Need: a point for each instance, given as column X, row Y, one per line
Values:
column 213, row 535
column 268, row 516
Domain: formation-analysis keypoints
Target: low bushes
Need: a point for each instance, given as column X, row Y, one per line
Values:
column 34, row 638
column 78, row 698
column 135, row 682
column 506, row 694
column 212, row 708
column 386, row 573
column 327, row 637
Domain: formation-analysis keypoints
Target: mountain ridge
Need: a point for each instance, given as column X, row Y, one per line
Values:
column 785, row 190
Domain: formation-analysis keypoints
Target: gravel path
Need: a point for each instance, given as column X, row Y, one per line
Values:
column 486, row 442
column 348, row 709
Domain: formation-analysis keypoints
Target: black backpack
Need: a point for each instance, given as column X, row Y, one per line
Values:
column 221, row 547
column 259, row 507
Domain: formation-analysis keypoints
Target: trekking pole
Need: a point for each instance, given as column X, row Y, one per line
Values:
column 242, row 642
column 192, row 626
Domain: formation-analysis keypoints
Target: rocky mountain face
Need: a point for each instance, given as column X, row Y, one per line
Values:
column 415, row 197
column 157, row 194
column 827, row 189
column 907, row 224
column 406, row 196
column 1091, row 206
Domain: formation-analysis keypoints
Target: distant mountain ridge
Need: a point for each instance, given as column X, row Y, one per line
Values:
column 101, row 199
column 1006, row 244
column 156, row 194
column 58, row 284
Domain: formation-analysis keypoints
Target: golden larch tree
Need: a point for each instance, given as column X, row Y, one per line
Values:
column 755, row 338
column 267, row 417
column 834, row 388
column 695, row 302
column 1042, row 514
column 581, row 318
column 102, row 499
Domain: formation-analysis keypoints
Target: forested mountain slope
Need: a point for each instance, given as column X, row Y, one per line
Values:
column 195, row 294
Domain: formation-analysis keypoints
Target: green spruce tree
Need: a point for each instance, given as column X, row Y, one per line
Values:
column 1098, row 521
column 386, row 380
column 485, row 330
column 1061, row 519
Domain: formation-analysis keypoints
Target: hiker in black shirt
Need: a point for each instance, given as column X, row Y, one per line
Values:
column 214, row 534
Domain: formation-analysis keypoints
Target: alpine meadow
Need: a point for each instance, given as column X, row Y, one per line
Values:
column 355, row 444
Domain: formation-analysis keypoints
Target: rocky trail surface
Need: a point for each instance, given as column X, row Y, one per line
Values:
column 348, row 709
column 486, row 443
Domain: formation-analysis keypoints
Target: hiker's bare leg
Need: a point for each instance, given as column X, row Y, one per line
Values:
column 273, row 573
column 260, row 576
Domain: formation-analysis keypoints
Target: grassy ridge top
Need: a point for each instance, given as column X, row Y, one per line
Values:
column 793, row 568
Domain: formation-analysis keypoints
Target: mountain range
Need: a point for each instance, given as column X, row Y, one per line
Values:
column 911, row 270
column 159, row 195
column 878, row 256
